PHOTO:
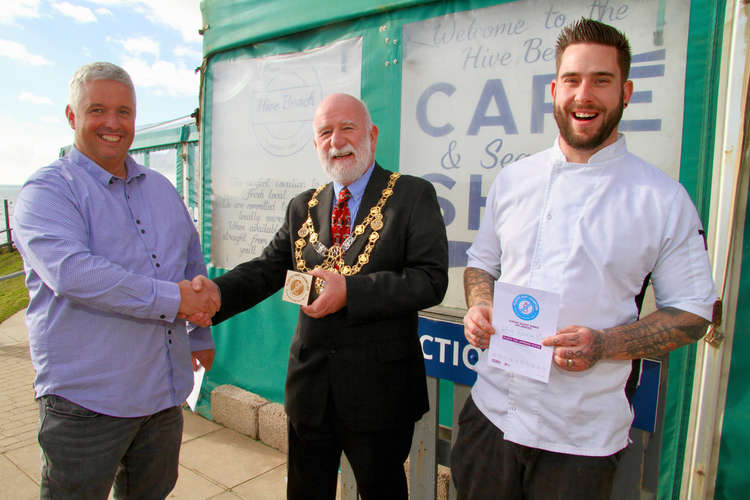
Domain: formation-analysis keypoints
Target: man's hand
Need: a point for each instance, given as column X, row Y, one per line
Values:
column 199, row 300
column 577, row 348
column 204, row 358
column 331, row 299
column 478, row 326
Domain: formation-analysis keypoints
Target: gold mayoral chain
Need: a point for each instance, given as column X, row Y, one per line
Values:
column 334, row 256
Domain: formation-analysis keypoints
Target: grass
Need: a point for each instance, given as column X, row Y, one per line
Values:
column 13, row 294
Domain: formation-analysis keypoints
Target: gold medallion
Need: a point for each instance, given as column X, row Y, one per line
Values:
column 297, row 288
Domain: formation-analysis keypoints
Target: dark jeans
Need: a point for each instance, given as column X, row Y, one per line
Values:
column 377, row 459
column 84, row 452
column 486, row 466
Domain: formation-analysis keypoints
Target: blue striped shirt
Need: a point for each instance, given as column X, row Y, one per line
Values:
column 102, row 256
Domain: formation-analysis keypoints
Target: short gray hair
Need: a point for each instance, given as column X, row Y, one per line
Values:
column 97, row 71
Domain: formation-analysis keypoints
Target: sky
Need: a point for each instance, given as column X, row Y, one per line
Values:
column 43, row 42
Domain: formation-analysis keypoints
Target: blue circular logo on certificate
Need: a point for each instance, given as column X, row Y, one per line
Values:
column 526, row 307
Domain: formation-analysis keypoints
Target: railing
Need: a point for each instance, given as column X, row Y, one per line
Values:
column 7, row 230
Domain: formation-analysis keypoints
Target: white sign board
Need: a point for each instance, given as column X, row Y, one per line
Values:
column 262, row 153
column 476, row 96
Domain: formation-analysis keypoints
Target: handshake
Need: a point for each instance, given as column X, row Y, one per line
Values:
column 199, row 300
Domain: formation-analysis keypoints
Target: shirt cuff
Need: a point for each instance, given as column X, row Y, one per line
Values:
column 201, row 339
column 472, row 262
column 167, row 301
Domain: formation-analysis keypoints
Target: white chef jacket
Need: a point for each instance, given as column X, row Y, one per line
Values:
column 591, row 233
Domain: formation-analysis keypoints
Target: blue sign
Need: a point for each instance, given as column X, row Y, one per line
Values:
column 447, row 353
column 647, row 395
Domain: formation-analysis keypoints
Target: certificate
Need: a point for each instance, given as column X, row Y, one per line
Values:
column 522, row 317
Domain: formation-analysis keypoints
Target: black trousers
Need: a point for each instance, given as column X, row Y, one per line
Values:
column 377, row 459
column 485, row 466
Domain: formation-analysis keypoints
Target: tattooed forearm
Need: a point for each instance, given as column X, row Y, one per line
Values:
column 478, row 285
column 658, row 333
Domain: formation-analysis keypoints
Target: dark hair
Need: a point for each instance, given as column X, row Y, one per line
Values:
column 590, row 31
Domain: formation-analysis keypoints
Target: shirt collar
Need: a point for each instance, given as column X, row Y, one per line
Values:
column 608, row 153
column 94, row 170
column 356, row 188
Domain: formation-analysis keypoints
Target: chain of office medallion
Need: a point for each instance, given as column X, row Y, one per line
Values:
column 334, row 256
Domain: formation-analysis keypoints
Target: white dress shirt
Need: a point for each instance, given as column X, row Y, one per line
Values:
column 591, row 233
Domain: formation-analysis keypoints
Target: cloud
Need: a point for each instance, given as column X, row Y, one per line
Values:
column 141, row 45
column 181, row 15
column 103, row 12
column 187, row 52
column 78, row 13
column 52, row 120
column 34, row 99
column 17, row 51
column 13, row 9
column 163, row 76
column 27, row 146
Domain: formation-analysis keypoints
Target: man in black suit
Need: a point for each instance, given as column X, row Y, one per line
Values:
column 356, row 377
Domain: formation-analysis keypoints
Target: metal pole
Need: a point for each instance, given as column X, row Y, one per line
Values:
column 7, row 226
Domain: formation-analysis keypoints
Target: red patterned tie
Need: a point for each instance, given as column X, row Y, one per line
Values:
column 340, row 218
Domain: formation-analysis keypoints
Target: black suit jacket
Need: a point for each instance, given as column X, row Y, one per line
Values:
column 367, row 357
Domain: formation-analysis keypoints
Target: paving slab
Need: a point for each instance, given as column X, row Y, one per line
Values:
column 15, row 483
column 27, row 459
column 230, row 458
column 268, row 486
column 196, row 426
column 194, row 486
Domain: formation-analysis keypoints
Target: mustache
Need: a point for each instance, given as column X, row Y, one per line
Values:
column 349, row 149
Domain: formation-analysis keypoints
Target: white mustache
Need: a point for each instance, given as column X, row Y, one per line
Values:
column 340, row 152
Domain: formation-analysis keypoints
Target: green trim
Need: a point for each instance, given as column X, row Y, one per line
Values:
column 205, row 165
column 178, row 170
column 191, row 157
column 696, row 165
column 233, row 24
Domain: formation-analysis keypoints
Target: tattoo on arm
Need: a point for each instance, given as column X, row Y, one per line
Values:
column 478, row 286
column 658, row 333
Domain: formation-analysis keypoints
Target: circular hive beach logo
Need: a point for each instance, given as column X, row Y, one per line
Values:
column 284, row 107
column 525, row 307
column 297, row 288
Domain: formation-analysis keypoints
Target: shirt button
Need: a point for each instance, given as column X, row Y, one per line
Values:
column 158, row 265
column 162, row 316
column 169, row 332
column 143, row 231
column 138, row 221
column 549, row 216
column 170, row 341
column 111, row 181
column 153, row 255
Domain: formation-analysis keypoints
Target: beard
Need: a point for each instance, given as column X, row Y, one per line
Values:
column 347, row 171
column 567, row 131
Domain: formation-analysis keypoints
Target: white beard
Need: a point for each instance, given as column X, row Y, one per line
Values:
column 347, row 171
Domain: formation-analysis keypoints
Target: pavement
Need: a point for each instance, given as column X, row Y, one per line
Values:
column 215, row 462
